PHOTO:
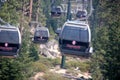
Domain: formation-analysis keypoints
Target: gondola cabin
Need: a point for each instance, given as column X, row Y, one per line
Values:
column 41, row 35
column 81, row 14
column 75, row 39
column 10, row 41
column 56, row 11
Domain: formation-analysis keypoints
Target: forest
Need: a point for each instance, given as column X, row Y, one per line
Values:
column 104, row 64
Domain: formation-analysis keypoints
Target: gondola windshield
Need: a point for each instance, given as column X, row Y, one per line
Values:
column 41, row 33
column 9, row 36
column 75, row 33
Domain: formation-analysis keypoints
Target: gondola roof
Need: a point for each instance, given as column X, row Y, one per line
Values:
column 7, row 27
column 42, row 28
column 76, row 23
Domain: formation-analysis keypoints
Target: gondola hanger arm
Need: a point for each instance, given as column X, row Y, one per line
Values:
column 6, row 23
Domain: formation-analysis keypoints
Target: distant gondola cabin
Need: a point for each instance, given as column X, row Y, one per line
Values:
column 56, row 11
column 81, row 14
column 41, row 35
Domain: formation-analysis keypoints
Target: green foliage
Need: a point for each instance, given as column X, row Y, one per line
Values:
column 33, row 68
column 112, row 55
column 10, row 69
column 106, row 62
column 8, row 9
column 37, row 12
column 55, row 62
column 39, row 67
column 33, row 52
column 45, row 61
column 83, row 66
column 51, row 31
column 53, row 76
column 49, row 62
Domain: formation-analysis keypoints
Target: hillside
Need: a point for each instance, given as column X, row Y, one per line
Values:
column 43, row 61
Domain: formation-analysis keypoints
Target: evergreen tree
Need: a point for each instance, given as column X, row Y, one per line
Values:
column 107, row 46
column 112, row 65
column 10, row 69
column 34, row 52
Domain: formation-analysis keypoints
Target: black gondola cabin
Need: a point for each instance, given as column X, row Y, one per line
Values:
column 75, row 39
column 56, row 11
column 41, row 35
column 10, row 40
column 81, row 14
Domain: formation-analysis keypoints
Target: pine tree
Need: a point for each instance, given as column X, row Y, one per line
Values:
column 10, row 69
column 112, row 55
column 107, row 46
